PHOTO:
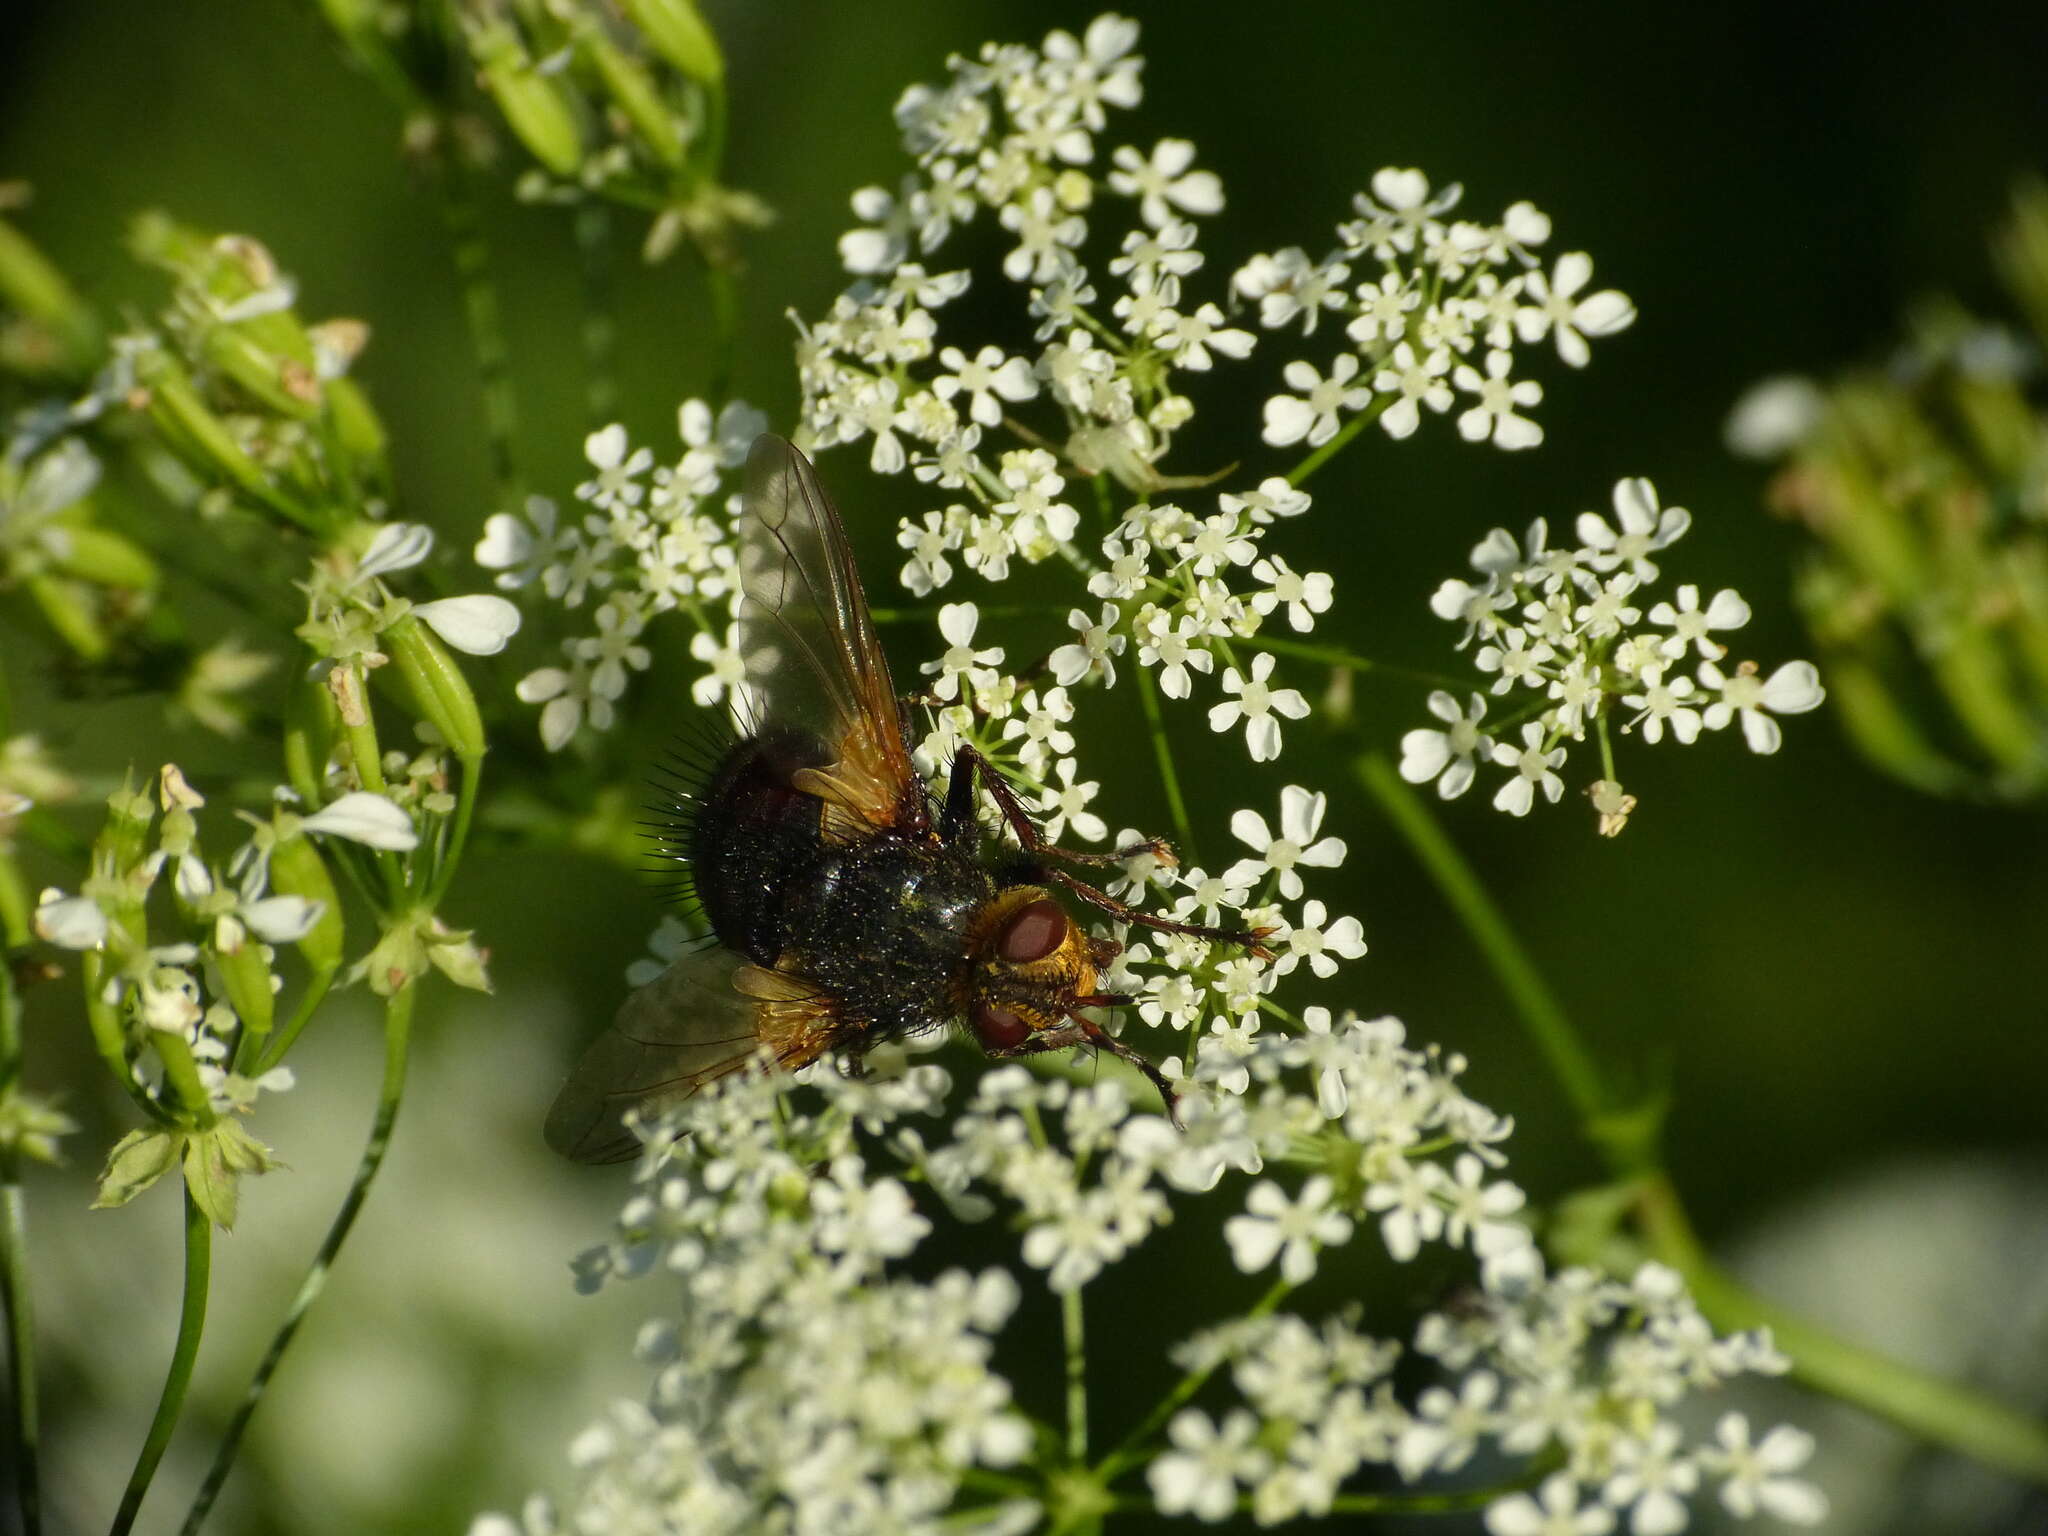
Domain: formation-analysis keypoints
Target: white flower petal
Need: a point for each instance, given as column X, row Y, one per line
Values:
column 365, row 818
column 397, row 547
column 479, row 624
column 70, row 922
column 282, row 919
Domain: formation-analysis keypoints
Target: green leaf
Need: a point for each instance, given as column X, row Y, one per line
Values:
column 215, row 1160
column 138, row 1160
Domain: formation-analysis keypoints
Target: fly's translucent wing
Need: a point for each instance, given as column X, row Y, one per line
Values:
column 708, row 1014
column 812, row 658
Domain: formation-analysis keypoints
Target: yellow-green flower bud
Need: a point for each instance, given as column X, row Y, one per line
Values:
column 533, row 103
column 440, row 694
column 677, row 31
column 296, row 869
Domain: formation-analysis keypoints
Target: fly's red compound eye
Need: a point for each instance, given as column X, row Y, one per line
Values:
column 1035, row 932
column 999, row 1029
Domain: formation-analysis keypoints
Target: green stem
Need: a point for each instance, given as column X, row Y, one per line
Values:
column 725, row 332
column 1071, row 1328
column 191, row 1320
column 465, row 812
column 463, row 216
column 1162, row 753
column 599, row 330
column 1336, row 656
column 281, row 1042
column 1938, row 1411
column 1534, row 1003
column 397, row 1040
column 1132, row 1450
column 14, row 1288
column 1336, row 445
column 1934, row 1410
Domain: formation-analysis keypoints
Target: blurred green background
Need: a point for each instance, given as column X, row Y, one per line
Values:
column 1843, row 979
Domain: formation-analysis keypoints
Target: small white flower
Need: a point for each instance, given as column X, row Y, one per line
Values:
column 1645, row 528
column 987, row 379
column 1200, row 1475
column 1791, row 690
column 1662, row 701
column 1569, row 318
column 1690, row 624
column 1092, row 654
column 1291, row 1229
column 1065, row 804
column 1256, row 703
column 1555, row 1511
column 1758, row 1477
column 1495, row 413
column 1448, row 756
column 1533, row 767
column 1296, row 846
column 1304, row 596
column 1163, row 182
column 366, row 818
column 962, row 663
column 616, row 485
column 1310, row 416
column 1310, row 940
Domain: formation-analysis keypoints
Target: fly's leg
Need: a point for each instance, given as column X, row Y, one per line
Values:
column 1080, row 1031
column 969, row 765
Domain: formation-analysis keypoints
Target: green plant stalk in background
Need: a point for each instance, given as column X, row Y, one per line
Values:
column 1925, row 1406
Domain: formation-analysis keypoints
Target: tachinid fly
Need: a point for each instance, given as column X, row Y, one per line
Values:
column 847, row 905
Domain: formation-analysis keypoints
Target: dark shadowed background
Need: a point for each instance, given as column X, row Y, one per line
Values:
column 1842, row 978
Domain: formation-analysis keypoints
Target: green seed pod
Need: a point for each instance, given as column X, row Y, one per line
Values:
column 440, row 693
column 534, row 106
column 309, row 729
column 15, row 905
column 245, row 978
column 296, row 869
column 357, row 426
column 31, row 286
column 633, row 89
column 202, row 437
column 68, row 607
column 283, row 383
column 102, row 557
column 678, row 33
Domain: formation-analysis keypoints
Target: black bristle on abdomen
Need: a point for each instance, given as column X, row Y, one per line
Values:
column 678, row 782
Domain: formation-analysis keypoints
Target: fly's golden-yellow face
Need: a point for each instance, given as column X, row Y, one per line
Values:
column 1030, row 966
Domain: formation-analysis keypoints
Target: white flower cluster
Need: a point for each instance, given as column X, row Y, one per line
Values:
column 1564, row 636
column 806, row 1383
column 178, row 989
column 655, row 538
column 1419, row 297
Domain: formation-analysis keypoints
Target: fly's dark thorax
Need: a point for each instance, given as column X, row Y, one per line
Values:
column 755, row 838
column 882, row 926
